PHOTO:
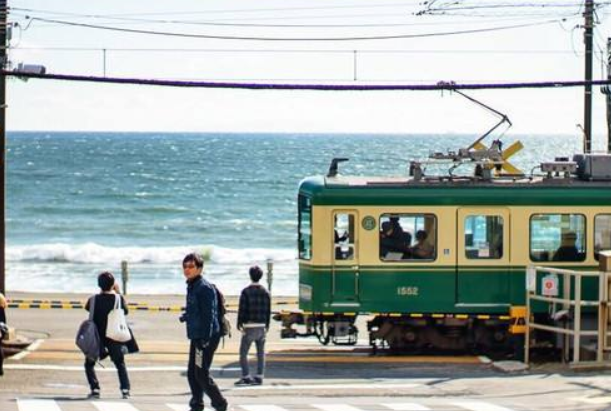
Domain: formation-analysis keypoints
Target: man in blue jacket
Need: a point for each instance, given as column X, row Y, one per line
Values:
column 203, row 331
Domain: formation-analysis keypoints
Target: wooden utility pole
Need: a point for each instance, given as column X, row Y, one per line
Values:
column 3, row 61
column 587, row 109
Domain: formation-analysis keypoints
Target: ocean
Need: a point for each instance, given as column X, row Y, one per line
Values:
column 79, row 203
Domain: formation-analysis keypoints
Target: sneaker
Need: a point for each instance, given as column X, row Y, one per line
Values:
column 125, row 394
column 257, row 381
column 94, row 394
column 243, row 381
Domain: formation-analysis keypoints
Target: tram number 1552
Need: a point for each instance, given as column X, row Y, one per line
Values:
column 407, row 291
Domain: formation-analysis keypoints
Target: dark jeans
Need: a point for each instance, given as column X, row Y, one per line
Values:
column 1, row 359
column 116, row 352
column 250, row 335
column 200, row 381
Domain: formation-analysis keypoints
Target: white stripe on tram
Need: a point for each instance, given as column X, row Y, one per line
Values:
column 479, row 406
column 37, row 405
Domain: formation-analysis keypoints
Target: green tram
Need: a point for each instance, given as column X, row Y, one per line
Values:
column 441, row 261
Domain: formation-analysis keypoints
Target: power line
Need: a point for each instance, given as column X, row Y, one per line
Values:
column 286, row 39
column 216, row 23
column 233, row 11
column 296, row 51
column 312, row 87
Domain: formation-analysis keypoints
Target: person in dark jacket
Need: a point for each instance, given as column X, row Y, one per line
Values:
column 253, row 320
column 104, row 304
column 204, row 332
column 2, row 320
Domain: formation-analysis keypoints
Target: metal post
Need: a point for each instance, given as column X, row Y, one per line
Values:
column 124, row 276
column 566, row 295
column 527, row 321
column 587, row 107
column 104, row 58
column 270, row 274
column 601, row 315
column 3, row 41
column 577, row 320
column 608, row 95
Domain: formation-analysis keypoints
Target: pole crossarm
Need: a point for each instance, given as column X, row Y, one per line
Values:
column 303, row 86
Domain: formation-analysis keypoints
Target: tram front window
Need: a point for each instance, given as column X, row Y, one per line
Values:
column 408, row 237
column 602, row 233
column 343, row 233
column 304, row 228
column 557, row 237
column 483, row 237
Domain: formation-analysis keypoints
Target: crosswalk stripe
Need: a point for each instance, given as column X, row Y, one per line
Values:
column 178, row 407
column 262, row 407
column 113, row 406
column 37, row 405
column 336, row 407
column 479, row 406
column 406, row 406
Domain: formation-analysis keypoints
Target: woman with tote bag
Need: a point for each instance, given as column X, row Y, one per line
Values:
column 105, row 318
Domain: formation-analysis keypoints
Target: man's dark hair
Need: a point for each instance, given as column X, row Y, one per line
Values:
column 255, row 273
column 421, row 235
column 106, row 280
column 197, row 259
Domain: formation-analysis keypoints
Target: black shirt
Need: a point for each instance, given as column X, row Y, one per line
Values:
column 104, row 304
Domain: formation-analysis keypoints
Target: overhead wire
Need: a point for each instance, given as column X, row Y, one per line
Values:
column 287, row 39
column 233, row 11
column 268, row 25
column 313, row 87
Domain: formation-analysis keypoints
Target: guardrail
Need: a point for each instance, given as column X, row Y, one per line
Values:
column 571, row 286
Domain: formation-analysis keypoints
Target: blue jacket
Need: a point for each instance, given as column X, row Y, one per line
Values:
column 201, row 310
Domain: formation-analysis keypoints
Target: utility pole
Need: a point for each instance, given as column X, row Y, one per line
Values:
column 587, row 109
column 3, row 65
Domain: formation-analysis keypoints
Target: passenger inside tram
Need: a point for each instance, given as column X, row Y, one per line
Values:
column 422, row 249
column 567, row 250
column 392, row 245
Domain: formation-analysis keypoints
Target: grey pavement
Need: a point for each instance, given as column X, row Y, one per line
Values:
column 301, row 374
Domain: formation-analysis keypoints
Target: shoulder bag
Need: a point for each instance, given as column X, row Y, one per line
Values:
column 116, row 327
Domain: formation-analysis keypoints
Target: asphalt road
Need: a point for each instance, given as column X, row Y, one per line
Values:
column 301, row 375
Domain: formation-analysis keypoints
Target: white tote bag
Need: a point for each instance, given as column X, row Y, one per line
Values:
column 116, row 327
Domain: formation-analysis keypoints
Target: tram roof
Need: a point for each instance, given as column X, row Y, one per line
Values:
column 351, row 191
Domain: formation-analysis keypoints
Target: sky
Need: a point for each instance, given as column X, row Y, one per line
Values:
column 549, row 46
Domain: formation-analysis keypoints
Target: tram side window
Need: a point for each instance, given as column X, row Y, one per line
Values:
column 602, row 233
column 483, row 237
column 557, row 237
column 343, row 231
column 304, row 228
column 408, row 237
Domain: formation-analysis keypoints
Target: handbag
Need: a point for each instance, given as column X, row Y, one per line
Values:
column 116, row 326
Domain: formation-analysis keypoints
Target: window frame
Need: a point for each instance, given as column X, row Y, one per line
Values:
column 464, row 233
column 300, row 212
column 411, row 260
column 596, row 257
column 585, row 238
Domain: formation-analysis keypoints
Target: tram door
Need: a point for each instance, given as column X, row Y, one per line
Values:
column 345, row 267
column 483, row 257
